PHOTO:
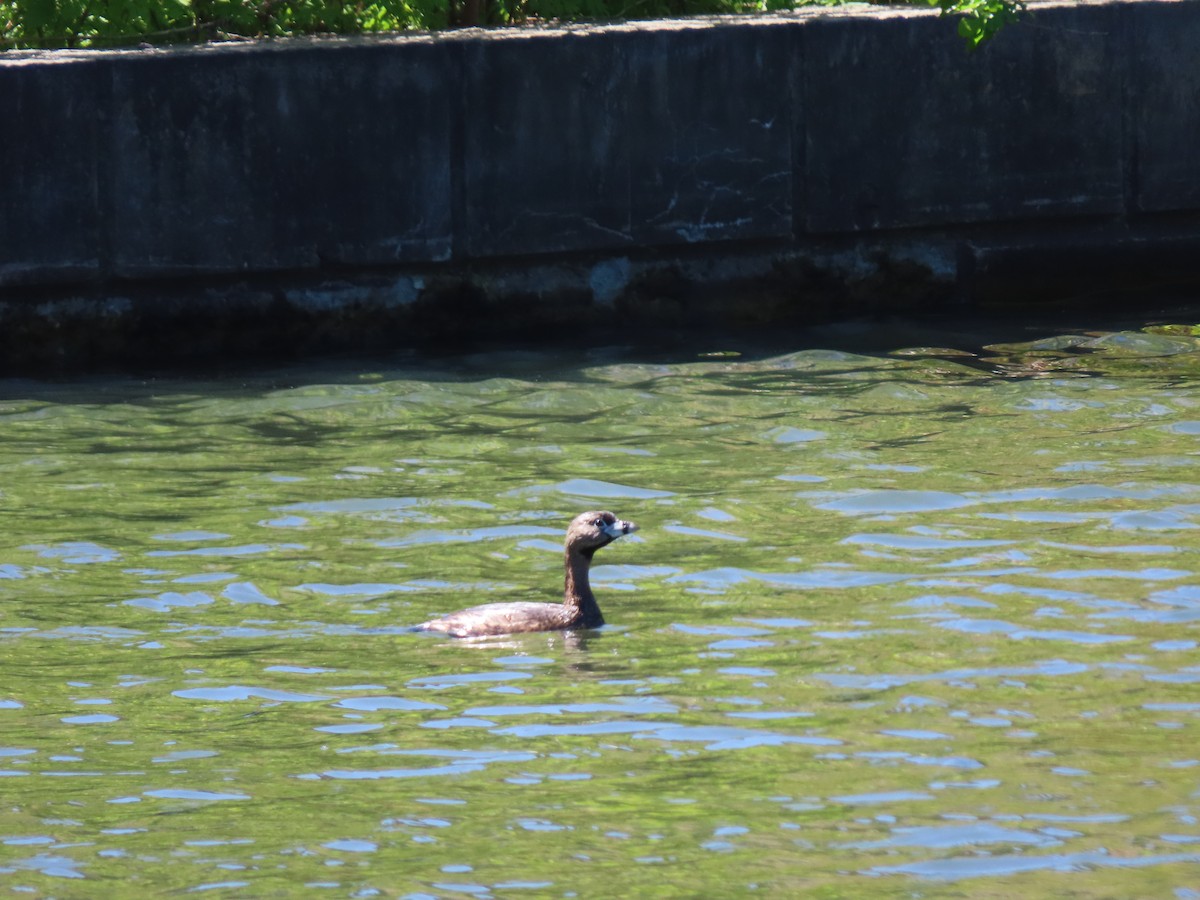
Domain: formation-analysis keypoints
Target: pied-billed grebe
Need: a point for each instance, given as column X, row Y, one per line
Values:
column 587, row 533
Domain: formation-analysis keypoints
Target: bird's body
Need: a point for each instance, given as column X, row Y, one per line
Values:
column 587, row 533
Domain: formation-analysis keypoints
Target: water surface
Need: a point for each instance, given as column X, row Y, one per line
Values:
column 920, row 623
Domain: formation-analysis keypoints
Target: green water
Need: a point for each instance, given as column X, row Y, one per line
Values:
column 911, row 624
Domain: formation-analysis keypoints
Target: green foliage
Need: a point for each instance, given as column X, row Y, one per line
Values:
column 102, row 23
column 83, row 23
column 981, row 19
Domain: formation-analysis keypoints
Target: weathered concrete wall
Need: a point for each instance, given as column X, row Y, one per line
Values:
column 430, row 181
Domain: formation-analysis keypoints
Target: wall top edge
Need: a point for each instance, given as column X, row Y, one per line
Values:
column 851, row 11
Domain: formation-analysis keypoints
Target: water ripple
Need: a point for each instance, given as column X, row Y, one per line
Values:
column 375, row 704
column 992, row 626
column 920, row 542
column 959, row 868
column 832, row 578
column 938, row 837
column 202, row 796
column 171, row 600
column 461, row 762
column 75, row 552
column 880, row 682
column 474, row 535
column 591, row 489
column 240, row 692
column 892, row 501
column 630, row 706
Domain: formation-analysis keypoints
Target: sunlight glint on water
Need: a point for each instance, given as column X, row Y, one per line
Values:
column 891, row 626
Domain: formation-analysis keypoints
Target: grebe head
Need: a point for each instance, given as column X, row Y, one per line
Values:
column 590, row 531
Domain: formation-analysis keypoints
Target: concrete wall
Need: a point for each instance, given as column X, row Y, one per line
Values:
column 584, row 166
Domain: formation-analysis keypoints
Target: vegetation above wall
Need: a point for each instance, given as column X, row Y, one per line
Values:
column 120, row 23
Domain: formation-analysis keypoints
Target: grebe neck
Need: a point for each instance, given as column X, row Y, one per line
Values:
column 577, row 590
